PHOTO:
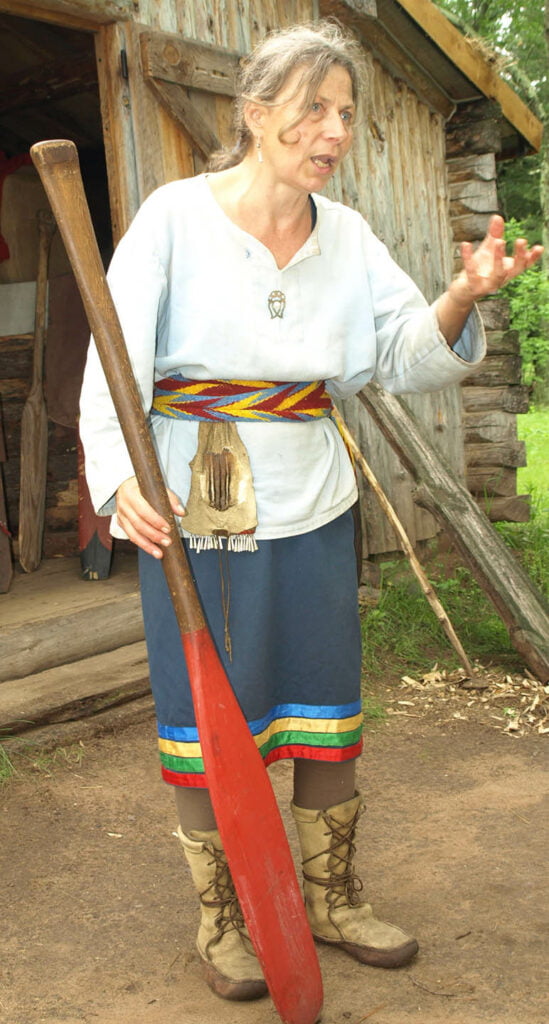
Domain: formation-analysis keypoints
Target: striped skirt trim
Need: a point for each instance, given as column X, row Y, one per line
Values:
column 331, row 733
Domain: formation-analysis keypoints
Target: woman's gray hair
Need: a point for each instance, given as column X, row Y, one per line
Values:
column 264, row 73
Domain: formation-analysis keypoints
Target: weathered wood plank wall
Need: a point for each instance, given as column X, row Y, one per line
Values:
column 397, row 179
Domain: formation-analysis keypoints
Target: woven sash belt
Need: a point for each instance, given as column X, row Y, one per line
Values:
column 243, row 401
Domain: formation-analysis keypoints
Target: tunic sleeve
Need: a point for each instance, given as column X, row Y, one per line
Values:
column 412, row 353
column 138, row 286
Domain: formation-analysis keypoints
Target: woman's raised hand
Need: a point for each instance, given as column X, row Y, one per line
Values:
column 487, row 268
column 140, row 522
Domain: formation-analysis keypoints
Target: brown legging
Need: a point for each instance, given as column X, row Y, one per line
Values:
column 317, row 786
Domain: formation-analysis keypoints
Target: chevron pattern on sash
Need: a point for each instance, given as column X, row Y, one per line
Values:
column 178, row 397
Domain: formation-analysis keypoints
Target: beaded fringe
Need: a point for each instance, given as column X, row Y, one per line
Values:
column 214, row 542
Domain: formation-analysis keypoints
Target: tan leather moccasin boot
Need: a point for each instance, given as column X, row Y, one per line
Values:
column 336, row 912
column 231, row 967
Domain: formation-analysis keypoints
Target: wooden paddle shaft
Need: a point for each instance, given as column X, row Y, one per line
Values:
column 57, row 164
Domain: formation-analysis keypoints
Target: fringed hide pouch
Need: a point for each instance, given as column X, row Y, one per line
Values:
column 221, row 502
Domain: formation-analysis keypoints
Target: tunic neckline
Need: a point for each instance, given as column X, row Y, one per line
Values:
column 310, row 247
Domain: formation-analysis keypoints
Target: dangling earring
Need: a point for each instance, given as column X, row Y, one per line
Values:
column 259, row 153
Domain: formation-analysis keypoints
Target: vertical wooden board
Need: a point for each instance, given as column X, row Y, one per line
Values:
column 176, row 148
column 167, row 17
column 118, row 136
column 224, row 119
column 163, row 150
column 401, row 188
column 438, row 175
column 235, row 29
column 205, row 24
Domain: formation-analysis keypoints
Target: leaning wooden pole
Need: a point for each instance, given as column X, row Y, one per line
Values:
column 520, row 605
column 397, row 526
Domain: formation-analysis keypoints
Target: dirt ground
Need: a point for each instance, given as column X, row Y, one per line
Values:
column 98, row 915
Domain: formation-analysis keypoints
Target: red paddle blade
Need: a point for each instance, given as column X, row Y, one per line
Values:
column 254, row 838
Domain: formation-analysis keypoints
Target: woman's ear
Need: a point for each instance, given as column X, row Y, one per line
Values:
column 254, row 115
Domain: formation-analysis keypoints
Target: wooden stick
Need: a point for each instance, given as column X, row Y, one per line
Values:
column 405, row 541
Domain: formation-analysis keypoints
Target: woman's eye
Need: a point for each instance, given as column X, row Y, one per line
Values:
column 316, row 108
column 347, row 116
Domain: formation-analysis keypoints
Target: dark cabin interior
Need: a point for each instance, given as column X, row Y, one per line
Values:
column 48, row 89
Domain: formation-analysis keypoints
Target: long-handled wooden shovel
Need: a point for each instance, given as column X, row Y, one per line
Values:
column 245, row 807
column 34, row 422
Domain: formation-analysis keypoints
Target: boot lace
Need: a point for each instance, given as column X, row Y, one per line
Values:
column 343, row 886
column 221, row 894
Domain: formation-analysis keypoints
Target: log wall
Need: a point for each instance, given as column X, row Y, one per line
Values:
column 493, row 395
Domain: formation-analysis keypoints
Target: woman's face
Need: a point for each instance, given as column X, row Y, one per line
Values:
column 307, row 156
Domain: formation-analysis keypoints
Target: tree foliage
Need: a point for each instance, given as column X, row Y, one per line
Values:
column 528, row 297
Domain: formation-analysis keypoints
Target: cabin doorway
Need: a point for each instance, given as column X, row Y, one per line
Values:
column 48, row 89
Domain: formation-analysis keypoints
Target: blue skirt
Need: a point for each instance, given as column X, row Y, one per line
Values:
column 293, row 622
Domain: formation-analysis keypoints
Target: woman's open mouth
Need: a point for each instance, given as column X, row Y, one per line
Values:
column 324, row 163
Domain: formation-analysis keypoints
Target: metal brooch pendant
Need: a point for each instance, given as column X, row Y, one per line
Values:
column 277, row 304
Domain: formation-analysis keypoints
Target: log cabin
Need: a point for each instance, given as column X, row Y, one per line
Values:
column 144, row 89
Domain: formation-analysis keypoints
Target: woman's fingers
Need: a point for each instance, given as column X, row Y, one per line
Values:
column 177, row 508
column 488, row 268
column 140, row 522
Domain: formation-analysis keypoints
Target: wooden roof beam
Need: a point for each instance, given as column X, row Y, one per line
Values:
column 48, row 84
column 71, row 13
column 480, row 71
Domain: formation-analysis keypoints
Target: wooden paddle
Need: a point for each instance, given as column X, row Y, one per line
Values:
column 245, row 807
column 6, row 564
column 34, row 422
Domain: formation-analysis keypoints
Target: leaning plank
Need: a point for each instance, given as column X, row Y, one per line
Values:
column 522, row 608
column 75, row 690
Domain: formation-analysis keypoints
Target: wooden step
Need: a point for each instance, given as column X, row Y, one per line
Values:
column 53, row 616
column 74, row 690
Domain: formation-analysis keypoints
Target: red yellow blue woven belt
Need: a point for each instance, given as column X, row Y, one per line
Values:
column 241, row 401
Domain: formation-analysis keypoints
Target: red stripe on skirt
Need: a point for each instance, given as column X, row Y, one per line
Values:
column 198, row 779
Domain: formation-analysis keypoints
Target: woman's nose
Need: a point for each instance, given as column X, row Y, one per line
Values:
column 334, row 127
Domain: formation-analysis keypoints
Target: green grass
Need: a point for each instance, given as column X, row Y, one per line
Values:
column 531, row 540
column 402, row 634
column 7, row 770
column 533, row 427
column 38, row 761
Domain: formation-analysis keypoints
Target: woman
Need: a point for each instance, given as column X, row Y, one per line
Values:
column 247, row 300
